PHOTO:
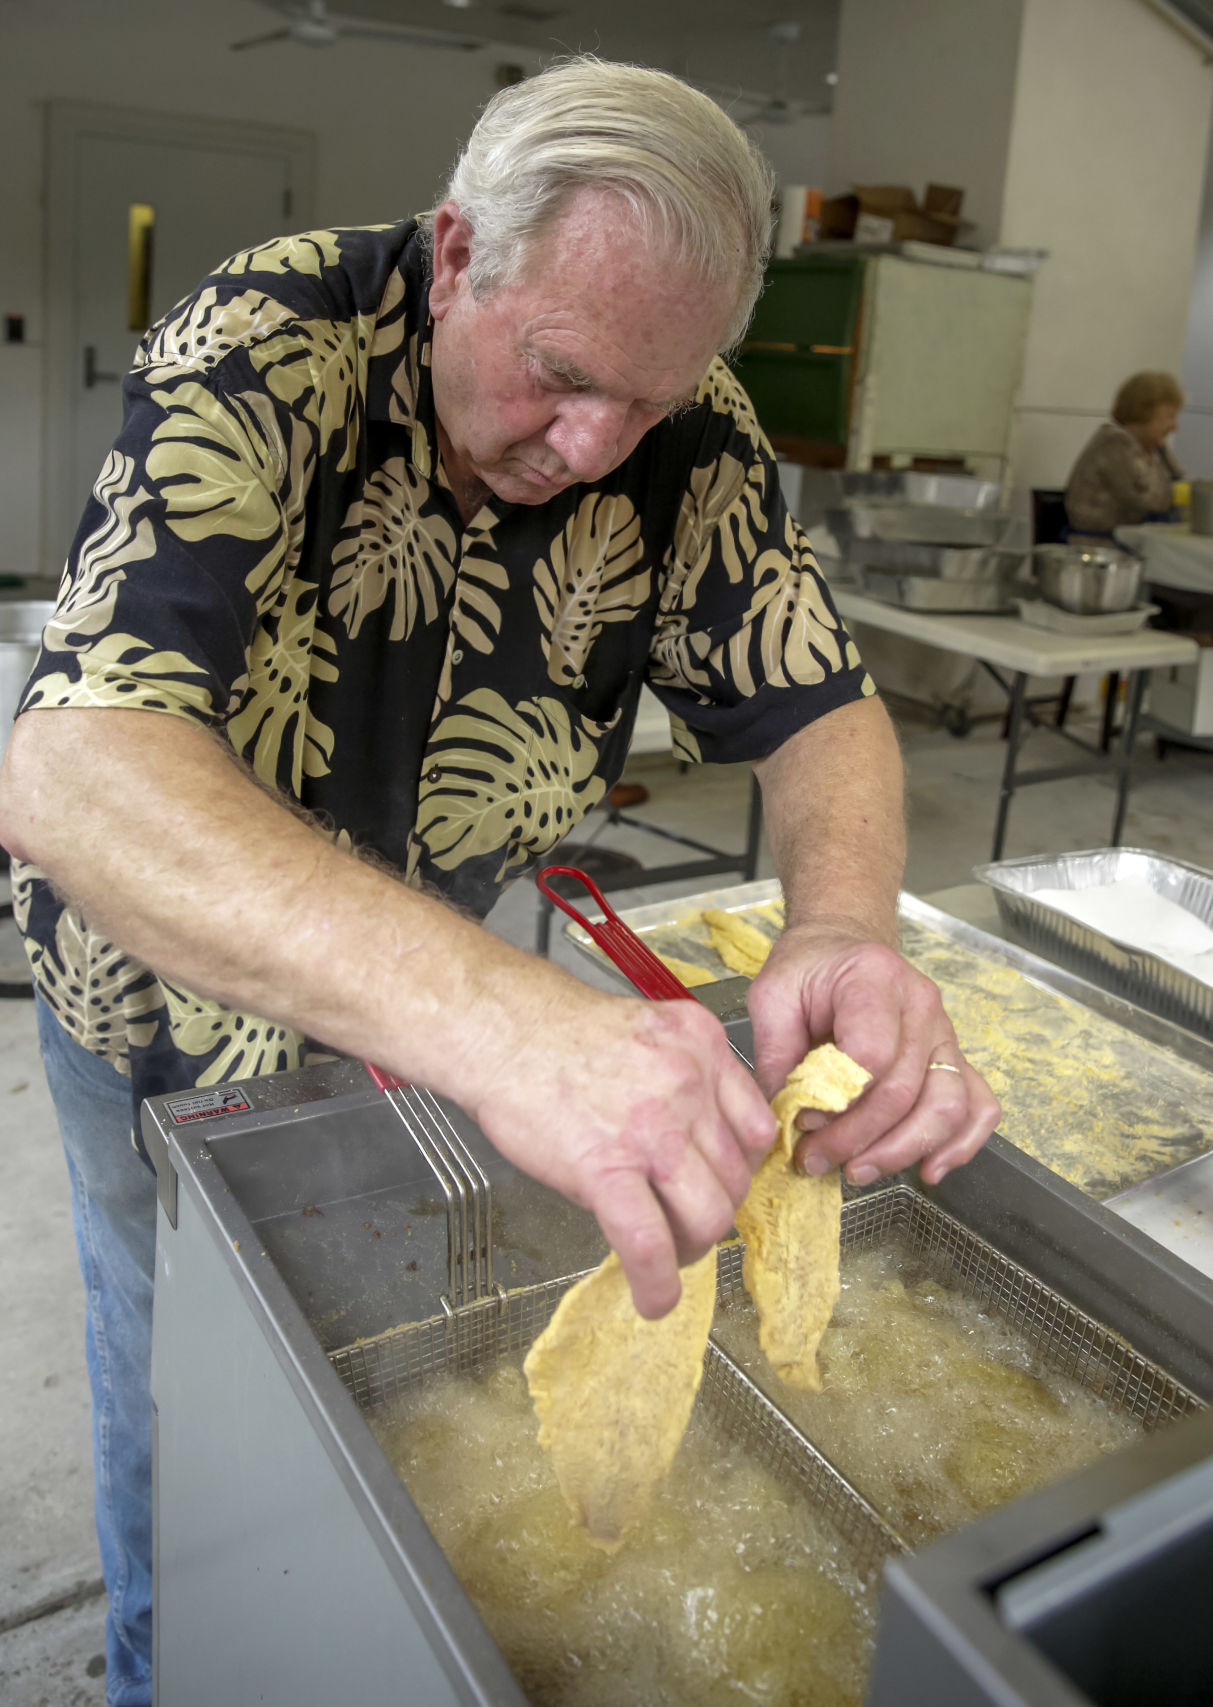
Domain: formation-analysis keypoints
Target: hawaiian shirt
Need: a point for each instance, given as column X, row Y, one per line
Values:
column 273, row 551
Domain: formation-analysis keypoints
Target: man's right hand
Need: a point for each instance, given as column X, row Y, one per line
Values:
column 638, row 1111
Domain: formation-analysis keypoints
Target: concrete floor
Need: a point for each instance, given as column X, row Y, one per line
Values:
column 51, row 1610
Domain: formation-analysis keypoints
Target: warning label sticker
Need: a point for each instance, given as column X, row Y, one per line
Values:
column 205, row 1105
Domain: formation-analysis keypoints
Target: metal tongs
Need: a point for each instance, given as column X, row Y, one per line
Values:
column 619, row 942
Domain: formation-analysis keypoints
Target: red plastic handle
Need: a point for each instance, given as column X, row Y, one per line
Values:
column 385, row 1081
column 619, row 942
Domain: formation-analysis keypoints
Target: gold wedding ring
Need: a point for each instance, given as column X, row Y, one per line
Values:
column 941, row 1067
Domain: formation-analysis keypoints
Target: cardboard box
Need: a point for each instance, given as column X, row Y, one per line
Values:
column 838, row 216
column 1182, row 695
column 890, row 213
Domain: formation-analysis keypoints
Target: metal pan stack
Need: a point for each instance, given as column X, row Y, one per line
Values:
column 928, row 541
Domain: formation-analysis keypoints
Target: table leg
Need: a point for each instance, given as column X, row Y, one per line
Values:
column 543, row 926
column 1111, row 692
column 1133, row 699
column 1014, row 737
column 753, row 834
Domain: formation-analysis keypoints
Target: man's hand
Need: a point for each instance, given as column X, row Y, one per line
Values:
column 820, row 983
column 638, row 1111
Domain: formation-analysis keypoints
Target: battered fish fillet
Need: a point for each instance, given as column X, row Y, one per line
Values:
column 687, row 972
column 790, row 1223
column 613, row 1392
column 741, row 946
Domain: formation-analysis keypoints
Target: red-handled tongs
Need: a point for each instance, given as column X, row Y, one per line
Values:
column 619, row 942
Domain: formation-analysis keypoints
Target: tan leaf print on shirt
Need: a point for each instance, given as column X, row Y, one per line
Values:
column 205, row 329
column 246, row 1045
column 477, row 615
column 308, row 252
column 321, row 365
column 711, row 494
column 513, row 779
column 288, row 651
column 217, row 473
column 121, row 669
column 589, row 579
column 87, row 603
column 394, row 552
column 82, row 982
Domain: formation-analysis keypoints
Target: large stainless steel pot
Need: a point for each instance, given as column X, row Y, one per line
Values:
column 1087, row 580
column 21, row 625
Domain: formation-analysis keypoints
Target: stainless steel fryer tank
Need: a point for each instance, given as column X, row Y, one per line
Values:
column 291, row 1563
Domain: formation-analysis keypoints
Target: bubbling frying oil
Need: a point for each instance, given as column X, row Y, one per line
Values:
column 934, row 1410
column 732, row 1591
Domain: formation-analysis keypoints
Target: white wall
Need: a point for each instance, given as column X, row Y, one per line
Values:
column 1105, row 170
column 1194, row 440
column 388, row 120
column 800, row 152
column 924, row 96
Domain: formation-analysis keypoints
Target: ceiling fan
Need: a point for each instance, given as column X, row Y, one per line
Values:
column 777, row 107
column 312, row 25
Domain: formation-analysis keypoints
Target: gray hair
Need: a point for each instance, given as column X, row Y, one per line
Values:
column 689, row 176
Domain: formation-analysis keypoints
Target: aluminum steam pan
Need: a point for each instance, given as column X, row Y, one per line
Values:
column 931, row 592
column 930, row 524
column 949, row 562
column 912, row 486
column 1147, row 979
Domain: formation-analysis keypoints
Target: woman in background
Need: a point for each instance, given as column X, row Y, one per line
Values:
column 1125, row 473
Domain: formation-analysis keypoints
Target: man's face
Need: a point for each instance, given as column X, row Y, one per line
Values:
column 554, row 379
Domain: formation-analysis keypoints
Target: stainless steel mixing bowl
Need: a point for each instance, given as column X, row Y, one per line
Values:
column 1087, row 580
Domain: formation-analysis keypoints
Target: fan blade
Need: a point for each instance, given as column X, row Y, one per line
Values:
column 259, row 41
column 407, row 37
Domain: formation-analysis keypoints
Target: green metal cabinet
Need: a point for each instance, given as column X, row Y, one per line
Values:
column 893, row 356
column 798, row 359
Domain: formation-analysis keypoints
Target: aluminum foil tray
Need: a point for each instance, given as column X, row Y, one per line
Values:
column 1066, row 1339
column 1146, row 979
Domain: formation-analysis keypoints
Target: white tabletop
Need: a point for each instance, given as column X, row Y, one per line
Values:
column 1174, row 556
column 1016, row 645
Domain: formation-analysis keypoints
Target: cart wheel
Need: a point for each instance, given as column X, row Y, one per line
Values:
column 957, row 721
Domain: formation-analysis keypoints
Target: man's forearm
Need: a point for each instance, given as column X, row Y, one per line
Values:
column 834, row 816
column 163, row 842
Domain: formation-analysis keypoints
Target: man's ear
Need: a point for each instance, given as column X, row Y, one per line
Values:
column 452, row 252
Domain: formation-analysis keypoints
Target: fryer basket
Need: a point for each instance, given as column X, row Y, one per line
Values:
column 1065, row 1338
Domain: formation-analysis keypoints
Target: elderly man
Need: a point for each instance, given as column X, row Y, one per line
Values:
column 354, row 628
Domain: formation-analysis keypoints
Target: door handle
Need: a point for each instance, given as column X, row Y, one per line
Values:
column 92, row 374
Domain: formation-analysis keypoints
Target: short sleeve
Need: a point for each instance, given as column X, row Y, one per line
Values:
column 181, row 548
column 185, row 573
column 748, row 646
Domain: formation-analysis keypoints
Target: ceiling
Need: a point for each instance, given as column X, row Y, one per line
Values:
column 721, row 44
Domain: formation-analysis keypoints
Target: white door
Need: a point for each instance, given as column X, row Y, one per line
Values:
column 153, row 205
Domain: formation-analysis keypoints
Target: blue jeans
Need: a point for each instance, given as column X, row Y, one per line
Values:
column 114, row 1211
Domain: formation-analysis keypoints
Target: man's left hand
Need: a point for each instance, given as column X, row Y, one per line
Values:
column 925, row 1103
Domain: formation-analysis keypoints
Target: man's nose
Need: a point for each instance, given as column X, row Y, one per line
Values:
column 587, row 435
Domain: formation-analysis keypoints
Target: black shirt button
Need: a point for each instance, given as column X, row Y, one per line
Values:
column 434, row 774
